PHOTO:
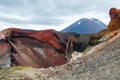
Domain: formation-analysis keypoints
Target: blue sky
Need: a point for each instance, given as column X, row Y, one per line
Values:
column 52, row 14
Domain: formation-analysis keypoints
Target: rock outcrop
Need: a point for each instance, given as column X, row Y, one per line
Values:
column 40, row 48
column 115, row 19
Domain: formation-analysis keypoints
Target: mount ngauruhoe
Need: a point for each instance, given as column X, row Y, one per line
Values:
column 86, row 26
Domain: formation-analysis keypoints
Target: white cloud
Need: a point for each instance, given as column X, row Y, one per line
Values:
column 52, row 14
column 12, row 16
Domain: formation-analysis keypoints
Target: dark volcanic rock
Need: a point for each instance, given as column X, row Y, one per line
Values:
column 94, row 39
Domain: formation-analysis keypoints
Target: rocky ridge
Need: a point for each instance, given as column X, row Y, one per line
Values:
column 100, row 64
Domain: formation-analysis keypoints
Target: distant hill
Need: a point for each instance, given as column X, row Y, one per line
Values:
column 86, row 26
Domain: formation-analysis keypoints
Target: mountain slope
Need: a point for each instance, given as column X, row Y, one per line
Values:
column 86, row 26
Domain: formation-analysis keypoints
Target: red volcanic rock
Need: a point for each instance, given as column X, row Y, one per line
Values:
column 49, row 37
column 43, row 48
column 39, row 48
column 36, row 56
column 114, row 23
column 45, row 36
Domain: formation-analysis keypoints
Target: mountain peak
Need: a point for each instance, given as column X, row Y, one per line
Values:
column 86, row 26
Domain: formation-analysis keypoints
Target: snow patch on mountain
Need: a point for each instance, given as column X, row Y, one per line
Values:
column 79, row 22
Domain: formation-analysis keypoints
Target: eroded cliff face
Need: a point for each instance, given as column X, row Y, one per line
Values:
column 40, row 49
